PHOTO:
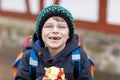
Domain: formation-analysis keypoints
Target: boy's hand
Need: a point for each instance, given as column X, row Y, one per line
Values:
column 45, row 78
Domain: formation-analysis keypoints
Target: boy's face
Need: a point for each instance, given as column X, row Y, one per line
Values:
column 55, row 33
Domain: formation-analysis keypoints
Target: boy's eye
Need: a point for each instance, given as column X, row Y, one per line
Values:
column 48, row 26
column 61, row 26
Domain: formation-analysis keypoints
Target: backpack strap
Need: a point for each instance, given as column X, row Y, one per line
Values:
column 76, row 62
column 17, row 63
column 91, row 66
column 28, row 42
column 76, row 59
column 33, row 64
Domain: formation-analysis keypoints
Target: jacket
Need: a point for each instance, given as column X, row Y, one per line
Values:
column 62, row 59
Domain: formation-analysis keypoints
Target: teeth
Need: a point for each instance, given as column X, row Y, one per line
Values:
column 58, row 38
column 53, row 38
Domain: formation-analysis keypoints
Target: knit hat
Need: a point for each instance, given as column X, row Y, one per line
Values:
column 50, row 11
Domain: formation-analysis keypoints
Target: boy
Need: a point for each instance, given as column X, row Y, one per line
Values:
column 54, row 41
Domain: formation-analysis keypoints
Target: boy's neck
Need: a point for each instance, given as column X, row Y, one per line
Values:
column 55, row 51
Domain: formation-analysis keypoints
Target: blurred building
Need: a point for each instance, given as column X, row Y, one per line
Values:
column 98, row 15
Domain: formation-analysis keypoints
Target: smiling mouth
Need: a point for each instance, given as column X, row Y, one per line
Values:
column 54, row 38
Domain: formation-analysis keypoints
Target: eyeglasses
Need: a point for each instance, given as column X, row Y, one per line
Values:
column 59, row 26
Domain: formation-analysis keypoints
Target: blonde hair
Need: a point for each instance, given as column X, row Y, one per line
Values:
column 59, row 19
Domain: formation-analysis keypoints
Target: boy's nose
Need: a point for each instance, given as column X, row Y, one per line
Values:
column 55, row 29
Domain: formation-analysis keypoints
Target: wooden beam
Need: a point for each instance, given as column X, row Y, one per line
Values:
column 102, row 11
column 56, row 2
column 28, row 7
column 26, row 16
column 106, row 28
column 41, row 5
column 0, row 5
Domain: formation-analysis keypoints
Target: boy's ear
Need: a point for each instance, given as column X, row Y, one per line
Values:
column 68, row 36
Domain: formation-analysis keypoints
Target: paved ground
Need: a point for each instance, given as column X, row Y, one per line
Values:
column 6, row 62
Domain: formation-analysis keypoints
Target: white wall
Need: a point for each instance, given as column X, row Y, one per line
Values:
column 86, row 10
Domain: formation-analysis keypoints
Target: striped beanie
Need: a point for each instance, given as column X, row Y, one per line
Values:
column 51, row 11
